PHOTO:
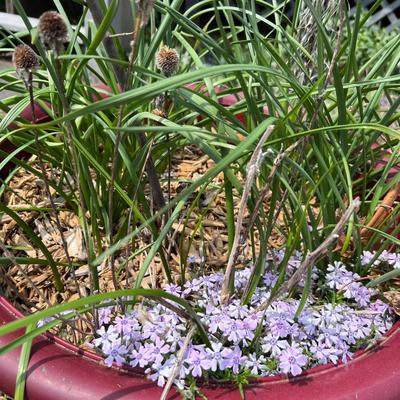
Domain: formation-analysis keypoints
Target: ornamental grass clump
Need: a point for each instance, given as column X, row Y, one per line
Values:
column 266, row 143
column 246, row 342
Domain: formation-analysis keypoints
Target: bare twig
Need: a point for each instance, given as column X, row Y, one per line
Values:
column 275, row 165
column 315, row 255
column 252, row 172
column 178, row 363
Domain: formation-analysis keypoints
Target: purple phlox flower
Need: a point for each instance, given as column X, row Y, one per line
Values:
column 104, row 315
column 358, row 292
column 293, row 264
column 295, row 332
column 278, row 255
column 279, row 327
column 242, row 278
column 291, row 360
column 192, row 259
column 192, row 286
column 273, row 345
column 344, row 352
column 256, row 364
column 270, row 279
column 388, row 257
column 392, row 259
column 380, row 306
column 237, row 310
column 233, row 359
column 309, row 321
column 328, row 336
column 115, row 353
column 174, row 289
column 322, row 353
column 361, row 295
column 285, row 309
column 208, row 281
column 214, row 355
column 155, row 351
column 124, row 324
column 337, row 276
column 106, row 338
column 219, row 321
column 253, row 320
column 160, row 372
column 138, row 357
column 367, row 257
column 197, row 362
column 235, row 331
column 153, row 331
column 357, row 327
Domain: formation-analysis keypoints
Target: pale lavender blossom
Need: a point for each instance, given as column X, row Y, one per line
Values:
column 106, row 338
column 321, row 333
column 155, row 351
column 174, row 289
column 138, row 357
column 233, row 359
column 124, row 324
column 323, row 354
column 116, row 353
column 291, row 360
column 215, row 357
column 256, row 364
column 197, row 362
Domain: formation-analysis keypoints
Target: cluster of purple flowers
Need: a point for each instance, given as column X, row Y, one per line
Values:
column 244, row 340
column 392, row 259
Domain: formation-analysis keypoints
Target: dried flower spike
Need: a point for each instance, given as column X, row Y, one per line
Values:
column 25, row 61
column 53, row 32
column 167, row 61
column 144, row 9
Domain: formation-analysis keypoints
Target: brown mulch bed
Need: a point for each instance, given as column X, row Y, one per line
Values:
column 30, row 287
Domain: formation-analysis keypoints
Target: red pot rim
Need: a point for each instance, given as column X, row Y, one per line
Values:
column 60, row 370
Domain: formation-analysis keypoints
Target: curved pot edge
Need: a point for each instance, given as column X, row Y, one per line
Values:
column 60, row 370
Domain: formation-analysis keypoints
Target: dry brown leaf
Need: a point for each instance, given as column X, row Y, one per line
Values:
column 393, row 297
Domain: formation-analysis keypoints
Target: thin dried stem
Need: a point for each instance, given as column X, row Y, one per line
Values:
column 252, row 172
column 179, row 360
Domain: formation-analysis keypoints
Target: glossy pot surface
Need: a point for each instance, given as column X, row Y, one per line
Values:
column 61, row 371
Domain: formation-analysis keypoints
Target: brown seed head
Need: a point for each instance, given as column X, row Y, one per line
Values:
column 24, row 58
column 167, row 61
column 52, row 29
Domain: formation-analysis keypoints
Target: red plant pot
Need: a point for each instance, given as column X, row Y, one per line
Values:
column 59, row 371
column 8, row 147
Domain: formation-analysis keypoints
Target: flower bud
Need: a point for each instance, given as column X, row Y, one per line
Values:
column 53, row 32
column 167, row 61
